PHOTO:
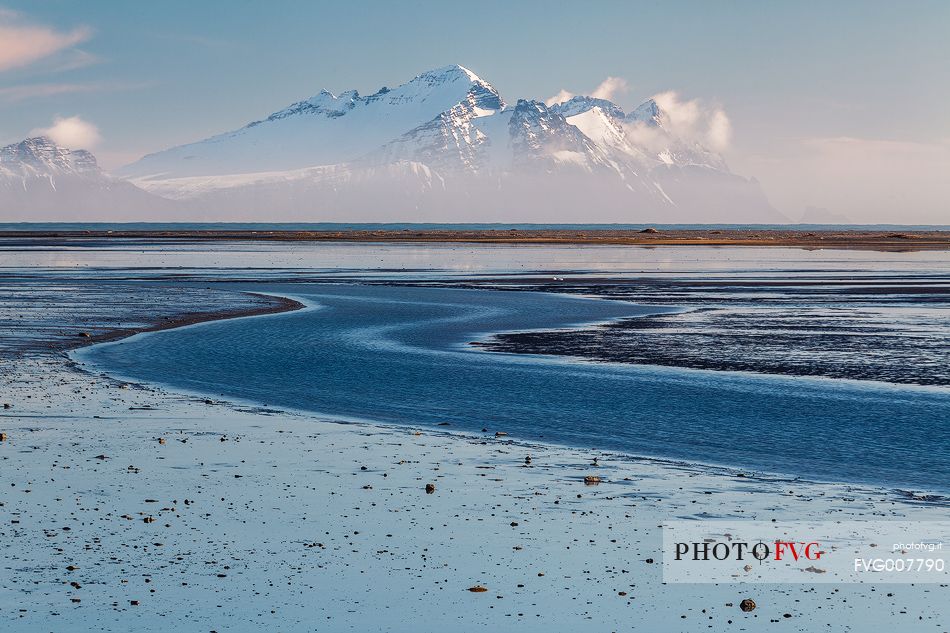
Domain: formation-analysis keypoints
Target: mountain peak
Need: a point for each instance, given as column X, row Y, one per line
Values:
column 327, row 128
column 482, row 94
column 451, row 70
column 42, row 180
column 322, row 97
column 581, row 104
column 42, row 154
column 422, row 87
column 324, row 102
column 648, row 112
column 535, row 127
column 527, row 105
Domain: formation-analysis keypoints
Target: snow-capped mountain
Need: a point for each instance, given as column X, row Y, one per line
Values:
column 445, row 146
column 39, row 157
column 41, row 180
column 328, row 129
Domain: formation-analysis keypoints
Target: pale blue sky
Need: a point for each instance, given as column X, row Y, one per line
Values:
column 804, row 83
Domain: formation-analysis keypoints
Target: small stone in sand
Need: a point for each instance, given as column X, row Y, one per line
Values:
column 747, row 605
column 430, row 488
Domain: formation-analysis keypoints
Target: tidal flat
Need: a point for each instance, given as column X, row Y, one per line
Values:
column 129, row 504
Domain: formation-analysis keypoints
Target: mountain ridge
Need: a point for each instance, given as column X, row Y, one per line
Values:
column 446, row 146
column 40, row 179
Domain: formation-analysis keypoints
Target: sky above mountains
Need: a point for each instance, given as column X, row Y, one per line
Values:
column 840, row 109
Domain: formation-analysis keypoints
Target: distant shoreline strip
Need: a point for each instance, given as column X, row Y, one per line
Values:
column 834, row 239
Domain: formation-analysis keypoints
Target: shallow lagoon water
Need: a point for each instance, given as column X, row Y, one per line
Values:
column 97, row 259
column 399, row 355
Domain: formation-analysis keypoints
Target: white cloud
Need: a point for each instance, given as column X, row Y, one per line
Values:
column 560, row 97
column 680, row 116
column 690, row 121
column 24, row 43
column 607, row 89
column 71, row 132
column 610, row 87
column 647, row 136
column 719, row 133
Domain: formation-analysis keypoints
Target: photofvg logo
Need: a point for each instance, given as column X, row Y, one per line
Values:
column 711, row 549
column 719, row 551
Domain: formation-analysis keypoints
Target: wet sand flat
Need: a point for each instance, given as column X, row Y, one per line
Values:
column 44, row 316
column 130, row 507
column 880, row 327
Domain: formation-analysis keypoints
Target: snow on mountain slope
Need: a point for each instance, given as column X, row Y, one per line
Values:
column 40, row 157
column 445, row 145
column 42, row 181
column 607, row 131
column 540, row 136
column 651, row 127
column 451, row 140
column 327, row 130
column 648, row 113
column 579, row 105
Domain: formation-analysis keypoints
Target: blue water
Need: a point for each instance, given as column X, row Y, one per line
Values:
column 399, row 355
